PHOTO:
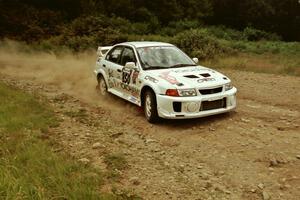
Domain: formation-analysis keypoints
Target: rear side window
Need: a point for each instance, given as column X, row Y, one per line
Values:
column 127, row 56
column 115, row 55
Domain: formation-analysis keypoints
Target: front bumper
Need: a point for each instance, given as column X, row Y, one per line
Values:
column 191, row 107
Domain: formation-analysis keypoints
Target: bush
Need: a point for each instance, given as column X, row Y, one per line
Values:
column 157, row 38
column 199, row 43
column 89, row 32
column 252, row 34
column 102, row 37
column 225, row 33
column 261, row 47
column 139, row 29
column 120, row 24
column 176, row 27
column 86, row 26
column 182, row 25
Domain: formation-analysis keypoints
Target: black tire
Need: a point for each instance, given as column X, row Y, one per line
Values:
column 102, row 86
column 150, row 107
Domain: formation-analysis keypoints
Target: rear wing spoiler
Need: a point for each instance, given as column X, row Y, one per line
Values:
column 103, row 50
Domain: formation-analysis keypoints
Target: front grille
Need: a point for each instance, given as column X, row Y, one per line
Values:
column 211, row 105
column 211, row 91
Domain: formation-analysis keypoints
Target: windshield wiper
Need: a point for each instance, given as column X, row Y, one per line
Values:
column 182, row 65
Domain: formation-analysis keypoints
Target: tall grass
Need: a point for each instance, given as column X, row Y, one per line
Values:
column 29, row 169
column 282, row 64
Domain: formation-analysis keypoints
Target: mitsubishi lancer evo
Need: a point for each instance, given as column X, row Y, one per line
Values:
column 163, row 80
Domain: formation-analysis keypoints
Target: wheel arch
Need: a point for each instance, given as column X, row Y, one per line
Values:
column 143, row 90
column 101, row 73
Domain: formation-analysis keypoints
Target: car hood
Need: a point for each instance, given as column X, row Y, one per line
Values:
column 189, row 77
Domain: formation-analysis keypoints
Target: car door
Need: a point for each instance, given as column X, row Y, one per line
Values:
column 114, row 69
column 129, row 82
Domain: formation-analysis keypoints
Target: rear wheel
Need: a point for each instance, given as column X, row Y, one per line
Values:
column 102, row 87
column 150, row 107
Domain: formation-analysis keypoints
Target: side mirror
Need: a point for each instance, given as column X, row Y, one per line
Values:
column 130, row 65
column 196, row 60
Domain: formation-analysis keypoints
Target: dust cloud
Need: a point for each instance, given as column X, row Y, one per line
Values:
column 68, row 72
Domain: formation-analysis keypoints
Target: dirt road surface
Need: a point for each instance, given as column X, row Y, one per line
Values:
column 252, row 153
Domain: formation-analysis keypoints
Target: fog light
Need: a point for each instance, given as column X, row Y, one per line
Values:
column 193, row 107
column 231, row 100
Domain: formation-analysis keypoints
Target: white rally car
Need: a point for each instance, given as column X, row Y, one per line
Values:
column 163, row 80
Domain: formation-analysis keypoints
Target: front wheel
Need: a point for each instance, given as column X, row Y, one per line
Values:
column 150, row 107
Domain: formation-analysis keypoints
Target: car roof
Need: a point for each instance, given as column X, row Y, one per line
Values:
column 147, row 44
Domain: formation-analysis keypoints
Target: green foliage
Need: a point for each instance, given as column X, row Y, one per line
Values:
column 33, row 20
column 281, row 17
column 89, row 32
column 183, row 23
column 26, row 23
column 158, row 38
column 274, row 47
column 20, row 111
column 28, row 167
column 176, row 27
column 248, row 34
column 261, row 63
column 116, row 161
column 29, row 170
column 252, row 34
column 139, row 29
column 222, row 32
column 199, row 43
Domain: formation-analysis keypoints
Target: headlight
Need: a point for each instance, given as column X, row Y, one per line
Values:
column 228, row 86
column 187, row 92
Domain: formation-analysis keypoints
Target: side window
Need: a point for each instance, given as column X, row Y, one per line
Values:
column 127, row 56
column 114, row 55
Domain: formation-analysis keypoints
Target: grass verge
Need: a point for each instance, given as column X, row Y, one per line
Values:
column 29, row 169
column 262, row 63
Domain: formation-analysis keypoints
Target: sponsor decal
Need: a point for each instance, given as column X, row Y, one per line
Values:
column 135, row 75
column 166, row 76
column 195, row 69
column 131, row 89
column 205, row 80
column 133, row 99
column 129, row 75
column 149, row 78
column 126, row 75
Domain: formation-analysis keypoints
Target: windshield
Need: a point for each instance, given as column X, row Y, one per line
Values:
column 163, row 57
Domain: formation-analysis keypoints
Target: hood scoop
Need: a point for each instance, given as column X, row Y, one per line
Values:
column 205, row 75
column 191, row 76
